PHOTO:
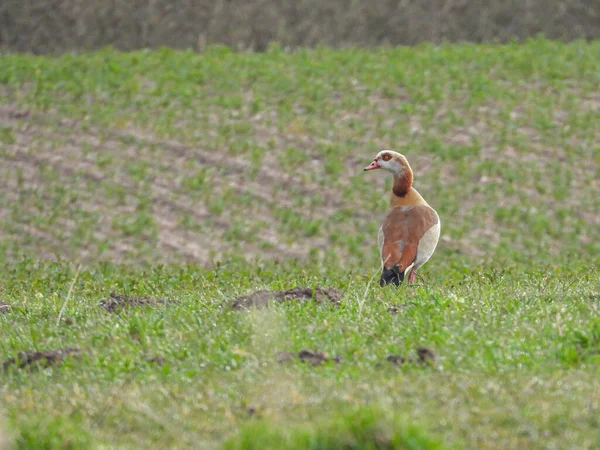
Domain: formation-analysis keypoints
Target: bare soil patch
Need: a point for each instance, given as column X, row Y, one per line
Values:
column 171, row 202
column 13, row 113
column 424, row 356
column 185, row 224
column 4, row 307
column 313, row 357
column 263, row 298
column 117, row 302
column 45, row 358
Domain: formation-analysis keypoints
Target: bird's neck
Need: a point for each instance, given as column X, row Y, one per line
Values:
column 402, row 183
column 410, row 199
column 403, row 194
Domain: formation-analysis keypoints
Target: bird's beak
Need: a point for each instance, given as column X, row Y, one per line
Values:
column 374, row 165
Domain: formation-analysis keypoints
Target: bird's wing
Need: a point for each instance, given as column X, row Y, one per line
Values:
column 402, row 229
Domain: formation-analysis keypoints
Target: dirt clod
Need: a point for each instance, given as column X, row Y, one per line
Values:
column 313, row 357
column 18, row 114
column 425, row 355
column 119, row 301
column 4, row 307
column 396, row 359
column 261, row 299
column 310, row 356
column 44, row 358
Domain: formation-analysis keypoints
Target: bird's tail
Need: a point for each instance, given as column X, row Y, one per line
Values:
column 391, row 275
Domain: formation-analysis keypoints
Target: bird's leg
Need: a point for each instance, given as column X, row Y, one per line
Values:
column 412, row 275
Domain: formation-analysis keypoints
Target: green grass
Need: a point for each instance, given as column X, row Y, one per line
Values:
column 517, row 366
column 503, row 140
column 202, row 177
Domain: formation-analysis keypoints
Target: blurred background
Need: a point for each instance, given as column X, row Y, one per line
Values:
column 213, row 153
column 42, row 26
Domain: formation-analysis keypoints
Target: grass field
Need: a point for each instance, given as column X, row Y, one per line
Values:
column 199, row 178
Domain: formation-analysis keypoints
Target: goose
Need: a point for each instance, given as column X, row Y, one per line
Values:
column 410, row 231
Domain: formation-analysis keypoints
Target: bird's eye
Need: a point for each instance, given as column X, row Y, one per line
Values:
column 386, row 156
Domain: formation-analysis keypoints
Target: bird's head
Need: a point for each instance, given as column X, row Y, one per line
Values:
column 391, row 161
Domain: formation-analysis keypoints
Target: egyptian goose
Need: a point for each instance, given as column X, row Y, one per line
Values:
column 411, row 229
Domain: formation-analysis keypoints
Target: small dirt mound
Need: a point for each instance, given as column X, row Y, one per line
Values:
column 4, row 307
column 119, row 301
column 425, row 355
column 315, row 357
column 396, row 359
column 251, row 410
column 44, row 358
column 310, row 356
column 22, row 114
column 262, row 299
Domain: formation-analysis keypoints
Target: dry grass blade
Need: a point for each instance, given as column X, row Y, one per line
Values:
column 62, row 309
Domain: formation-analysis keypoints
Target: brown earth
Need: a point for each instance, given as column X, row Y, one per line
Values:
column 313, row 357
column 70, row 190
column 117, row 302
column 425, row 355
column 4, row 307
column 169, row 204
column 44, row 358
column 262, row 299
